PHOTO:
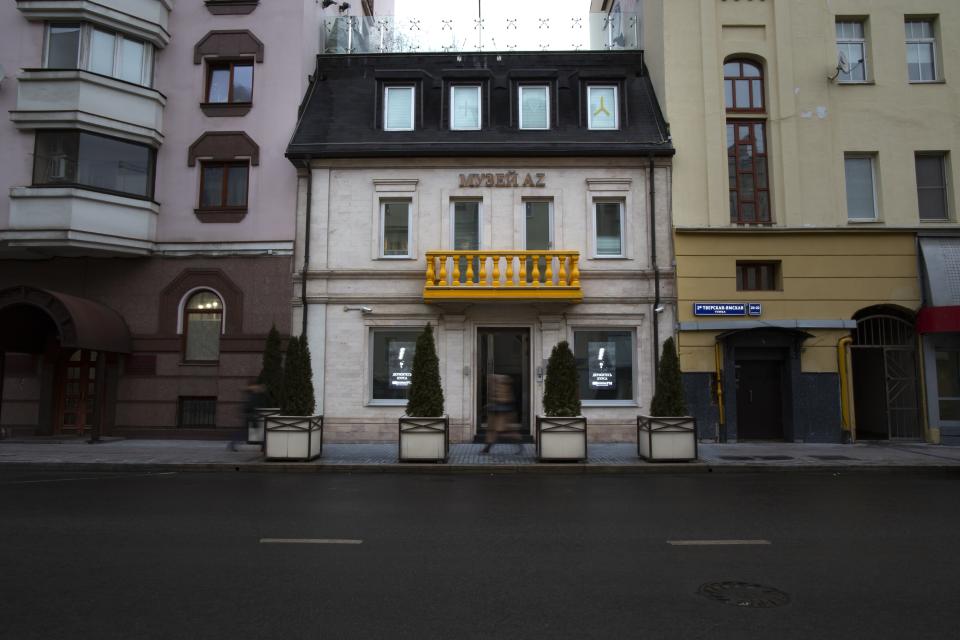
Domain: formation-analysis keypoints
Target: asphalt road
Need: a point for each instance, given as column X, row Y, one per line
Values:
column 863, row 555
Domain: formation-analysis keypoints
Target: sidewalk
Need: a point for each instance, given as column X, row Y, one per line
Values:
column 186, row 455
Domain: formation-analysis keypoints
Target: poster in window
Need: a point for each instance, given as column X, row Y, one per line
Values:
column 401, row 363
column 602, row 361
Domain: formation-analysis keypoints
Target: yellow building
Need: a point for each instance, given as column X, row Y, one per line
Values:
column 814, row 213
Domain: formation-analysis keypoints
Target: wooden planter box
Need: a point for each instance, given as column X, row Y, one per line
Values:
column 424, row 439
column 561, row 439
column 667, row 439
column 255, row 426
column 298, row 438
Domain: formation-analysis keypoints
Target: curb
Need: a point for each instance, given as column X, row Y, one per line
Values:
column 465, row 469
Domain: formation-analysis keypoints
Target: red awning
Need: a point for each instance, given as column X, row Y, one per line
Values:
column 81, row 323
column 938, row 320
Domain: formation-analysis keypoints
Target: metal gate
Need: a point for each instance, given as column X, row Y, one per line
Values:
column 894, row 341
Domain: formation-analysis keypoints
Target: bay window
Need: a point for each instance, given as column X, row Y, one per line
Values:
column 100, row 51
column 93, row 161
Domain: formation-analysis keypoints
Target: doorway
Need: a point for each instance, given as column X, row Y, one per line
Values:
column 505, row 352
column 885, row 380
column 759, row 400
column 77, row 393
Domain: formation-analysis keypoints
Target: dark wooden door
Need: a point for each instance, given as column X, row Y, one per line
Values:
column 78, row 393
column 759, row 401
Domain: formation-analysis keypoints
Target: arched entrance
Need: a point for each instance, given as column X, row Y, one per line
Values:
column 885, row 389
column 72, row 337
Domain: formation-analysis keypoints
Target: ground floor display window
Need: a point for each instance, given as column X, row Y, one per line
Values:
column 948, row 383
column 605, row 364
column 392, row 352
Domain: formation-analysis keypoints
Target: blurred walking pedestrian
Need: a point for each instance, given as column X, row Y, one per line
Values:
column 499, row 407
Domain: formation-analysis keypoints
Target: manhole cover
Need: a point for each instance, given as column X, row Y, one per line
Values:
column 744, row 594
column 832, row 457
column 736, row 458
column 775, row 457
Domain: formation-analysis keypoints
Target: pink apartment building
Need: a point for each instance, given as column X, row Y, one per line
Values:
column 146, row 207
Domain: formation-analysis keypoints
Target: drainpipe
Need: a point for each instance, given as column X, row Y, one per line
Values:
column 847, row 418
column 3, row 362
column 718, row 363
column 306, row 248
column 656, row 269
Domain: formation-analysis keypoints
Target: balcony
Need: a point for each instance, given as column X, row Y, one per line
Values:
column 460, row 30
column 526, row 276
column 73, row 98
column 68, row 221
column 145, row 19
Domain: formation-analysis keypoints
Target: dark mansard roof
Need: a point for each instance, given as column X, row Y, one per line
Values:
column 342, row 113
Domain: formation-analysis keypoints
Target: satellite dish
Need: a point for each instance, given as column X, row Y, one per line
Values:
column 843, row 65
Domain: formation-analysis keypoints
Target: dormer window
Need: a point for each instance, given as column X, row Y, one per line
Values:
column 534, row 107
column 602, row 111
column 398, row 108
column 465, row 107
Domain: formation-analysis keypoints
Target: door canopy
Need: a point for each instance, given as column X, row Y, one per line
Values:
column 28, row 315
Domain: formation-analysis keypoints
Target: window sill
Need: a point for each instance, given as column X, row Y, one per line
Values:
column 203, row 363
column 609, row 258
column 936, row 221
column 386, row 403
column 857, row 83
column 225, row 109
column 231, row 7
column 864, row 221
column 926, row 82
column 220, row 215
column 609, row 403
column 395, row 258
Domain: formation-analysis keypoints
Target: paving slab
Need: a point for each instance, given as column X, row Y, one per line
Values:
column 118, row 454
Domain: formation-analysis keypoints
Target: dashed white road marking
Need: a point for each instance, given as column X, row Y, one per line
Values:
column 309, row 541
column 716, row 543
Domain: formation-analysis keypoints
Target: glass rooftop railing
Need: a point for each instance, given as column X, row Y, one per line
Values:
column 395, row 34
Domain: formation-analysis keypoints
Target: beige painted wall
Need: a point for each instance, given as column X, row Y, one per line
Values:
column 811, row 120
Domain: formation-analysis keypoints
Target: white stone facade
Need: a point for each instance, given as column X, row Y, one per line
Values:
column 346, row 274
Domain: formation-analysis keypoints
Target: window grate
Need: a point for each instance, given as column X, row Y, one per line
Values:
column 197, row 412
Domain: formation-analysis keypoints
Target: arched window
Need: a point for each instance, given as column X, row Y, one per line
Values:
column 202, row 325
column 747, row 144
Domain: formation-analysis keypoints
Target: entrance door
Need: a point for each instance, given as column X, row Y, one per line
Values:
column 759, row 403
column 504, row 352
column 78, row 393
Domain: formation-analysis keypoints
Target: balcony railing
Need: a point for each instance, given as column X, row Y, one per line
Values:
column 463, row 33
column 503, row 275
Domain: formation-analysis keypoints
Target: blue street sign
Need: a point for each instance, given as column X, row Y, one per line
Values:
column 719, row 309
column 754, row 309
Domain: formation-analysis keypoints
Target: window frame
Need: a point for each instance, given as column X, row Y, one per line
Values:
column 756, row 160
column 186, row 312
column 851, row 40
column 623, row 232
column 932, row 41
column 733, row 108
column 873, row 177
column 151, row 164
column 546, row 92
column 383, row 211
column 386, row 106
column 944, row 184
column 634, row 368
column 775, row 275
column 616, row 106
column 84, row 48
column 219, row 64
column 459, row 86
column 372, row 400
column 453, row 222
column 551, row 221
column 224, row 188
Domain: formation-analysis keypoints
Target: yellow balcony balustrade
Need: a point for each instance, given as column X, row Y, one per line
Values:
column 503, row 275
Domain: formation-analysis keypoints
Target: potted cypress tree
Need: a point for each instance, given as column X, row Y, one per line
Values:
column 271, row 378
column 295, row 433
column 562, row 431
column 425, row 429
column 667, row 434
